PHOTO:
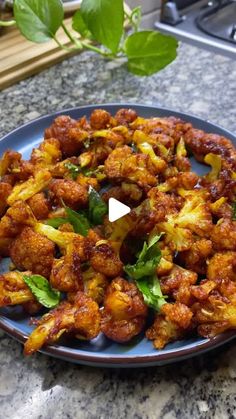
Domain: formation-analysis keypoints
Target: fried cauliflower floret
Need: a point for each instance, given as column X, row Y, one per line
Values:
column 40, row 206
column 162, row 204
column 223, row 235
column 222, row 266
column 202, row 143
column 47, row 154
column 143, row 144
column 73, row 195
column 128, row 193
column 24, row 191
column 11, row 164
column 5, row 191
column 215, row 311
column 86, row 181
column 106, row 261
column 177, row 284
column 16, row 217
column 13, row 289
column 100, row 119
column 195, row 258
column 122, row 164
column 69, row 133
column 125, row 116
column 95, row 284
column 32, row 251
column 124, row 311
column 172, row 324
column 66, row 275
column 223, row 184
column 221, row 209
column 194, row 217
column 80, row 318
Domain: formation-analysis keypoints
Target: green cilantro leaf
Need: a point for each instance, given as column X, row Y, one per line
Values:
column 151, row 290
column 147, row 261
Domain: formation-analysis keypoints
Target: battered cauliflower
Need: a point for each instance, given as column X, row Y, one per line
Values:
column 32, row 251
column 172, row 324
column 69, row 133
column 71, row 193
column 223, row 235
column 106, row 261
column 80, row 318
column 194, row 217
column 123, row 164
column 124, row 313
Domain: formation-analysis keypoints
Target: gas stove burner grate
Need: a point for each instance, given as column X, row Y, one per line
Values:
column 219, row 21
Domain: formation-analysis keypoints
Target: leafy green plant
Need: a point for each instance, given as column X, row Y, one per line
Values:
column 144, row 273
column 97, row 22
column 83, row 220
column 42, row 290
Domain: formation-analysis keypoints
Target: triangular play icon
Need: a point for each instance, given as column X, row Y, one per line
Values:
column 116, row 209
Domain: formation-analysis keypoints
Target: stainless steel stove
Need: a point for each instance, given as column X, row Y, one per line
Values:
column 208, row 24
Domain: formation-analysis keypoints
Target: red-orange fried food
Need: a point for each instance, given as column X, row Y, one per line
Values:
column 70, row 192
column 40, row 206
column 33, row 252
column 173, row 322
column 122, row 164
column 13, row 289
column 104, row 260
column 69, row 133
column 179, row 239
column 201, row 144
column 223, row 235
column 100, row 119
column 124, row 311
column 222, row 266
column 80, row 318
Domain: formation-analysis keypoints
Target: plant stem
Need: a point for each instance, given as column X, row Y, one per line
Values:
column 98, row 50
column 63, row 46
column 71, row 37
column 7, row 22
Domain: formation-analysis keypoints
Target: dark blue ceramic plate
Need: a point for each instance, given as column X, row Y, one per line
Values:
column 101, row 351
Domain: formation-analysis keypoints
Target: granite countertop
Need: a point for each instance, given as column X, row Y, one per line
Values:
column 40, row 387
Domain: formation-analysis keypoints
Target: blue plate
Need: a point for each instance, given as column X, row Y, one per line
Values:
column 101, row 351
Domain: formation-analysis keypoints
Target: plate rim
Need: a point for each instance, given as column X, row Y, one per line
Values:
column 96, row 359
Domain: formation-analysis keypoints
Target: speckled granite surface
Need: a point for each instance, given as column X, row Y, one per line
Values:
column 43, row 388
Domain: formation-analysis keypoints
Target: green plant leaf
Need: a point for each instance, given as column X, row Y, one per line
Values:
column 38, row 20
column 79, row 222
column 56, row 222
column 151, row 290
column 42, row 290
column 149, row 51
column 79, row 25
column 147, row 261
column 97, row 207
column 104, row 19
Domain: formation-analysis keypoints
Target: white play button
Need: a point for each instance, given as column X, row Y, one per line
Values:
column 116, row 209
